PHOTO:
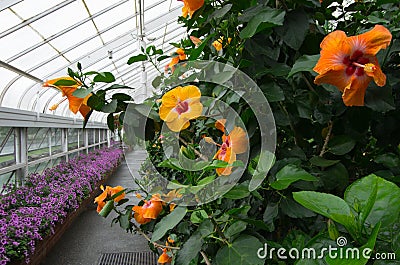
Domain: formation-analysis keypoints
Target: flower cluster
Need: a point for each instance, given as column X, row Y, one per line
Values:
column 29, row 213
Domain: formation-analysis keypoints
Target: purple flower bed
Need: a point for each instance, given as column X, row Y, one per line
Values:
column 29, row 213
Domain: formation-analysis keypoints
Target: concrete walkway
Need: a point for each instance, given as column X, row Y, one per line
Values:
column 90, row 235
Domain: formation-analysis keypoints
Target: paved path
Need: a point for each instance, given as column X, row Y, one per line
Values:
column 90, row 235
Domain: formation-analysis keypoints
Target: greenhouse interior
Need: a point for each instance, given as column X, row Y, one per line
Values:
column 199, row 132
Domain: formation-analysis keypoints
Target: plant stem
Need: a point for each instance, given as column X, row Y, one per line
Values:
column 196, row 152
column 328, row 136
column 290, row 121
column 220, row 233
column 205, row 258
column 148, row 239
column 308, row 83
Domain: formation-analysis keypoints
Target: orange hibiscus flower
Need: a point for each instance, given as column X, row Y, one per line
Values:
column 149, row 210
column 218, row 43
column 180, row 105
column 107, row 193
column 75, row 104
column 234, row 143
column 181, row 56
column 190, row 6
column 349, row 63
column 164, row 258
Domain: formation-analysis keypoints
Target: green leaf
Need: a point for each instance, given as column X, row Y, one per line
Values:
column 327, row 205
column 110, row 107
column 65, row 82
column 341, row 144
column 290, row 174
column 190, row 249
column 294, row 28
column 105, row 77
column 235, row 228
column 86, row 120
column 322, row 162
column 243, row 251
column 110, row 121
column 389, row 160
column 305, row 63
column 121, row 97
column 379, row 98
column 387, row 201
column 124, row 220
column 237, row 192
column 156, row 81
column 82, row 92
column 168, row 222
column 354, row 260
column 107, row 208
column 294, row 210
column 137, row 58
column 95, row 102
column 162, row 57
column 219, row 13
column 198, row 216
column 264, row 163
column 273, row 92
column 206, row 228
column 272, row 17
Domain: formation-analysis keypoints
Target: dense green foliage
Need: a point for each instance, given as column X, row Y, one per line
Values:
column 325, row 150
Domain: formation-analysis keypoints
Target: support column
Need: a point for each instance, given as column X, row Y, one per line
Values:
column 85, row 140
column 21, row 154
column 64, row 142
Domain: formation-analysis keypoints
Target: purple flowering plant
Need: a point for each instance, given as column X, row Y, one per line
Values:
column 30, row 213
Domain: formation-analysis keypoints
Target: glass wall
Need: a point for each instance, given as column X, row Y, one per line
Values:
column 7, row 147
column 30, row 150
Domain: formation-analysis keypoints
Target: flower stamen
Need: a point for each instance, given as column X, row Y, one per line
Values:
column 55, row 106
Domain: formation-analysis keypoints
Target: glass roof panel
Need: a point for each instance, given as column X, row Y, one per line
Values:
column 31, row 59
column 17, row 41
column 8, row 20
column 60, row 19
column 30, row 8
column 12, row 96
column 121, row 11
column 82, row 49
column 62, row 32
column 96, row 5
column 73, row 36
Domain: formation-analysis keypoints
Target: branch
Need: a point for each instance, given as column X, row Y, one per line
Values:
column 308, row 83
column 196, row 152
column 148, row 239
column 328, row 136
column 220, row 233
column 205, row 258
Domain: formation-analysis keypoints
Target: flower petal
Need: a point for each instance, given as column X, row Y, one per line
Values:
column 229, row 157
column 336, row 77
column 353, row 95
column 374, row 40
column 335, row 48
column 194, row 111
column 186, row 92
column 238, row 139
column 220, row 125
column 178, row 124
column 378, row 76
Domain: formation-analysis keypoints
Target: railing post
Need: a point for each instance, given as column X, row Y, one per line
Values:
column 64, row 142
column 86, row 140
column 21, row 154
